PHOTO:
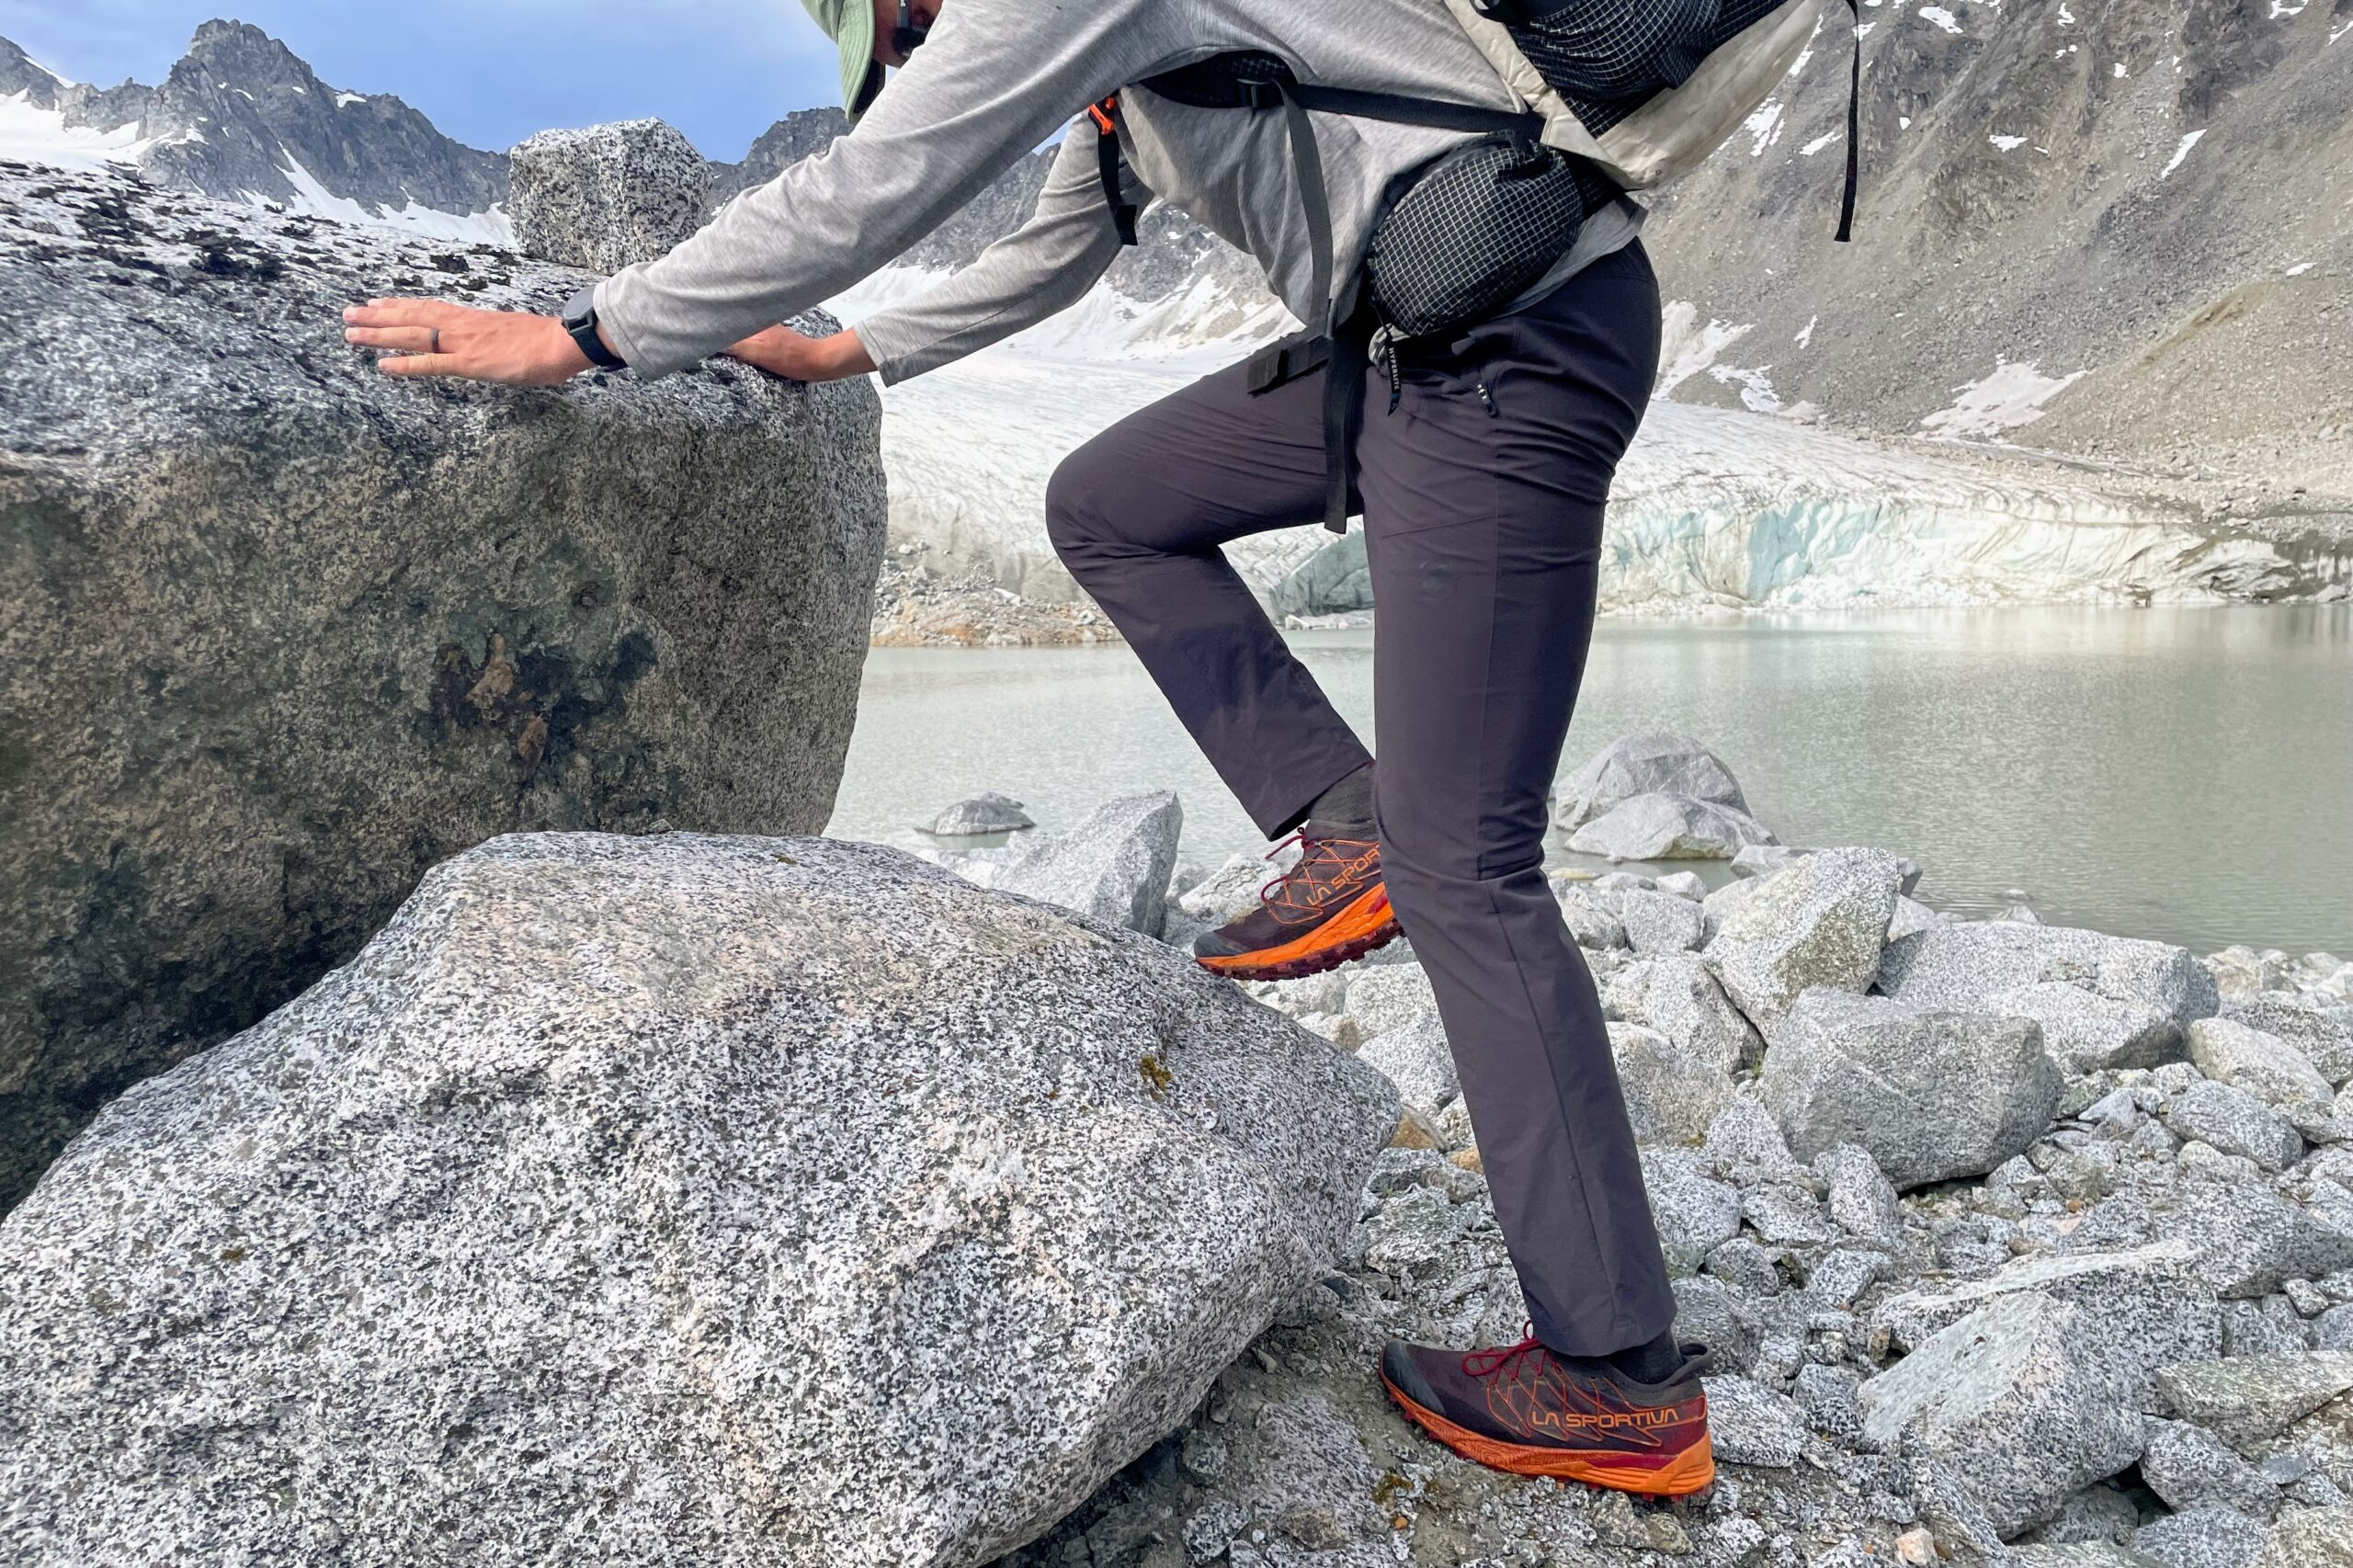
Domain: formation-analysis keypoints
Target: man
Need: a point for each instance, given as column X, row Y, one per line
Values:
column 1482, row 487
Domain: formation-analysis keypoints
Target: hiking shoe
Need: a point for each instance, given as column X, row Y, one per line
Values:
column 1525, row 1410
column 1327, row 909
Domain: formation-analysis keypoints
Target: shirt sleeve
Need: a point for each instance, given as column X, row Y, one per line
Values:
column 1045, row 266
column 995, row 79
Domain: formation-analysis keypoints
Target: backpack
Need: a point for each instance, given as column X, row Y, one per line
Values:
column 1620, row 95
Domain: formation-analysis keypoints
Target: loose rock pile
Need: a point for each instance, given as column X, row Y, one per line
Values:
column 2015, row 1243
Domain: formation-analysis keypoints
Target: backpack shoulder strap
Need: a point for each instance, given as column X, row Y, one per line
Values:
column 1106, row 116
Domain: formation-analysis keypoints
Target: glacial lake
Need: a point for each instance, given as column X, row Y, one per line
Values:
column 2183, row 773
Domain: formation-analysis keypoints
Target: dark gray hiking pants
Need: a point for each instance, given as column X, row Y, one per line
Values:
column 1483, row 525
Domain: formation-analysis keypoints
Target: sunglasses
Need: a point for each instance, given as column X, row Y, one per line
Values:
column 904, row 40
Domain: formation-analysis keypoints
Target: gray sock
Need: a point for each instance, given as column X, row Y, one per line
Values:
column 1346, row 809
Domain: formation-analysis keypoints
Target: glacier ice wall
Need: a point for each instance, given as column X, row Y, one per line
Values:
column 1713, row 507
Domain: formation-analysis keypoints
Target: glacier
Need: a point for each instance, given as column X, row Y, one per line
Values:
column 1714, row 510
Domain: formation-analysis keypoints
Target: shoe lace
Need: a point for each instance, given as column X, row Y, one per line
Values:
column 1323, row 864
column 1503, row 1359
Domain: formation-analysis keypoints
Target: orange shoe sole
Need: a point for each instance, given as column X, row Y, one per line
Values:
column 1356, row 930
column 1693, row 1470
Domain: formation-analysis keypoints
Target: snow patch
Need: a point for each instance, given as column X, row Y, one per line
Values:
column 489, row 228
column 2335, row 33
column 1686, row 347
column 2118, row 70
column 1805, row 333
column 33, row 135
column 1817, row 144
column 1764, row 127
column 2011, row 396
column 2066, row 18
column 1757, row 392
column 344, row 100
column 2299, row 269
column 1942, row 17
column 2008, row 144
column 2188, row 142
column 2279, row 10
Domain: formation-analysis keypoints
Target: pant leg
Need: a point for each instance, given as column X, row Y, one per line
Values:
column 1139, row 514
column 1484, row 535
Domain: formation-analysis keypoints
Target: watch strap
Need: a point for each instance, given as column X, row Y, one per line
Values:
column 580, row 320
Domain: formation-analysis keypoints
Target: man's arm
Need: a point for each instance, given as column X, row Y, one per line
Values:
column 1047, row 265
column 1042, row 267
column 995, row 79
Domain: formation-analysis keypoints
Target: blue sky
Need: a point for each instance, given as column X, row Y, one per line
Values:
column 488, row 72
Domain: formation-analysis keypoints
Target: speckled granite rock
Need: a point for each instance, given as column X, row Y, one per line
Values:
column 2246, row 1399
column 2148, row 1304
column 280, row 633
column 1416, row 1059
column 2085, row 1032
column 606, row 197
column 2309, row 1538
column 763, row 1201
column 1644, row 765
column 1930, row 1095
column 1960, row 965
column 2020, row 1398
column 1821, row 923
column 986, row 812
column 1679, row 997
column 1669, row 827
column 1114, row 864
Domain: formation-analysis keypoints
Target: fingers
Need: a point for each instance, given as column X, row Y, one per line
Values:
column 419, row 365
column 399, row 339
column 403, row 313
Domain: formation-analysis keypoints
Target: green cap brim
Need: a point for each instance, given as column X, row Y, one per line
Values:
column 856, row 41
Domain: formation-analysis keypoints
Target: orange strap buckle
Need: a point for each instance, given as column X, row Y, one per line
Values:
column 1101, row 114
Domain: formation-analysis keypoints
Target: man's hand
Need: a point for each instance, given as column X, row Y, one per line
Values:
column 432, row 337
column 780, row 351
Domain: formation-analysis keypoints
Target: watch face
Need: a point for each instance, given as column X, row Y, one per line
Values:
column 580, row 311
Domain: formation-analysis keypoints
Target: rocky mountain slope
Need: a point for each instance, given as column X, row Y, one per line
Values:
column 241, row 117
column 2113, row 227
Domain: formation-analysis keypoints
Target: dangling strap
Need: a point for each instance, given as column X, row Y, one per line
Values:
column 1854, row 131
column 1107, row 161
column 1343, row 412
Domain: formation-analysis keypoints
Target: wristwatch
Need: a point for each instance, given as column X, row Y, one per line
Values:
column 580, row 320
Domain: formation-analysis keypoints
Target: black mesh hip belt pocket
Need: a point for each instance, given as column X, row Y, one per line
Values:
column 1476, row 230
column 1605, row 49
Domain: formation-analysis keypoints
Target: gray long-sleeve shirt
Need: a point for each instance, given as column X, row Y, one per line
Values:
column 996, row 79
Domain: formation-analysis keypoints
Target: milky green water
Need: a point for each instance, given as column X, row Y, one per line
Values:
column 2183, row 773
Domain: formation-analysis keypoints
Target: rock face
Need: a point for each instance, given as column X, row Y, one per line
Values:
column 983, row 813
column 2020, row 1398
column 854, row 1214
column 606, row 197
column 1960, row 965
column 1114, row 866
column 1644, row 765
column 1931, row 1095
column 280, row 632
column 1669, row 827
column 1821, row 923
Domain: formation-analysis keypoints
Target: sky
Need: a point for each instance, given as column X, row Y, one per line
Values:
column 488, row 72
